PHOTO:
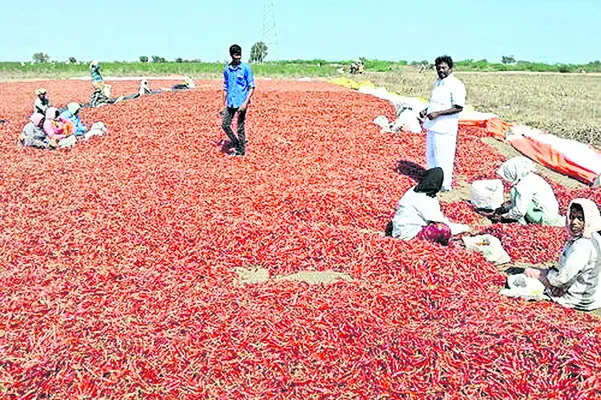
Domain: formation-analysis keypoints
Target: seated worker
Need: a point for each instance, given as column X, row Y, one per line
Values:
column 96, row 76
column 144, row 88
column 188, row 84
column 357, row 67
column 33, row 134
column 419, row 215
column 574, row 281
column 532, row 198
column 41, row 103
column 56, row 127
column 72, row 114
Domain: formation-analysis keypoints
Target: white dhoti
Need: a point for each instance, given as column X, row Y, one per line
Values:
column 440, row 152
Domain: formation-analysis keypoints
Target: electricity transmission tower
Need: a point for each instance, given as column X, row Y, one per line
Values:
column 269, row 33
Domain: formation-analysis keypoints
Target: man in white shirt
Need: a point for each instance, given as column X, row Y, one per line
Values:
column 442, row 120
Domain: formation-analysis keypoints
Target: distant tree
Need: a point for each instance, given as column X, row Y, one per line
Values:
column 158, row 59
column 508, row 60
column 143, row 59
column 258, row 52
column 41, row 57
column 179, row 60
column 72, row 60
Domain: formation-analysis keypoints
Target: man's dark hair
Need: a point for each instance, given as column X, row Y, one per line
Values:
column 235, row 50
column 444, row 59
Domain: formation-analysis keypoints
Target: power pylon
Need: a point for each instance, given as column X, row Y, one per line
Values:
column 269, row 33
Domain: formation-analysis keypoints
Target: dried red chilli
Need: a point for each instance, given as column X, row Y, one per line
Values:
column 117, row 261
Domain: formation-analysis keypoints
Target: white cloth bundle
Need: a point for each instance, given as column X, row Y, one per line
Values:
column 489, row 246
column 487, row 194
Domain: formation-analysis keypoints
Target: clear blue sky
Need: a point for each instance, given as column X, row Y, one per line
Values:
column 536, row 30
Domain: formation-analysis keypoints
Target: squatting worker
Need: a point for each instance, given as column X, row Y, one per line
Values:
column 442, row 120
column 96, row 76
column 42, row 102
column 238, row 88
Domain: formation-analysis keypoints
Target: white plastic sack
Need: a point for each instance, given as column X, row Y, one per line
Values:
column 107, row 90
column 581, row 154
column 489, row 246
column 487, row 194
column 100, row 126
column 413, row 103
column 407, row 121
column 522, row 286
column 97, row 129
column 69, row 141
column 379, row 92
column 457, row 228
column 382, row 122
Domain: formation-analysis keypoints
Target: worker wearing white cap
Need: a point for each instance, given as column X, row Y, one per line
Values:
column 97, row 79
column 41, row 103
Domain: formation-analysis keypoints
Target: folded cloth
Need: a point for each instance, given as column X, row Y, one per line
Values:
column 524, row 287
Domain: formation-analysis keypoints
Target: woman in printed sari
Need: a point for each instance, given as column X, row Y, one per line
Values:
column 72, row 114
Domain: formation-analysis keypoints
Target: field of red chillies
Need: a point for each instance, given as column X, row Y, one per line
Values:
column 117, row 261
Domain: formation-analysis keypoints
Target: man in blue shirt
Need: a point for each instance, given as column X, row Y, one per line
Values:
column 238, row 88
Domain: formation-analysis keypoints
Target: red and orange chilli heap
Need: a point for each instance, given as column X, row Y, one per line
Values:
column 117, row 257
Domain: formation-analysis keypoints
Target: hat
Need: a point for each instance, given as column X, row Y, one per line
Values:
column 516, row 168
column 73, row 108
column 94, row 63
column 40, row 91
column 592, row 218
column 36, row 118
column 51, row 113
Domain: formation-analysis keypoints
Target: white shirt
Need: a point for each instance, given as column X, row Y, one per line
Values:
column 578, row 273
column 534, row 189
column 39, row 107
column 417, row 210
column 446, row 93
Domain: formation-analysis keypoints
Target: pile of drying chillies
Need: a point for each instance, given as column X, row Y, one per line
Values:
column 117, row 260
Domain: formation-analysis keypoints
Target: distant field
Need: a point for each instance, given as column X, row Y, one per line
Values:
column 567, row 105
column 11, row 71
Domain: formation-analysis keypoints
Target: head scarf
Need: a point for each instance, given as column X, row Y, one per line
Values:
column 36, row 119
column 40, row 91
column 516, row 168
column 51, row 113
column 73, row 108
column 592, row 219
column 93, row 63
column 189, row 82
column 431, row 182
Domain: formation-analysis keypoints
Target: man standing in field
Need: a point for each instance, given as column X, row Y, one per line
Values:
column 238, row 88
column 442, row 120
